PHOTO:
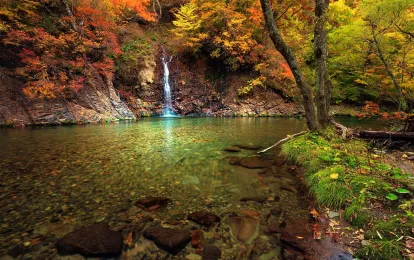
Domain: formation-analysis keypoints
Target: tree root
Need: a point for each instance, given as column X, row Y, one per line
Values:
column 283, row 141
column 346, row 132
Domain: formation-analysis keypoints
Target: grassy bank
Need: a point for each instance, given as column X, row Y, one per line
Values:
column 373, row 194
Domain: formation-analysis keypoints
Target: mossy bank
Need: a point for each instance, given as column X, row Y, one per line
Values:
column 353, row 177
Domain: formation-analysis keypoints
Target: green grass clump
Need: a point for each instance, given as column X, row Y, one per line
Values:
column 333, row 194
column 370, row 184
column 381, row 250
column 391, row 229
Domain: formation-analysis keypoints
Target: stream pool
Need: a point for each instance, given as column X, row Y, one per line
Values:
column 80, row 175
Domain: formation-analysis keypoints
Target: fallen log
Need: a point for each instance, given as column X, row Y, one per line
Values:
column 387, row 135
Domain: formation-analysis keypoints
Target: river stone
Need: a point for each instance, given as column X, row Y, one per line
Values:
column 232, row 149
column 152, row 202
column 258, row 198
column 204, row 218
column 211, row 252
column 256, row 162
column 333, row 214
column 245, row 229
column 197, row 238
column 57, row 230
column 169, row 239
column 94, row 240
column 176, row 214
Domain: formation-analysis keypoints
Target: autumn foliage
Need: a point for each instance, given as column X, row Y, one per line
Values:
column 62, row 56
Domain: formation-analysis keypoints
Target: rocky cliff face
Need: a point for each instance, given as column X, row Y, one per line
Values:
column 96, row 102
column 196, row 90
column 200, row 88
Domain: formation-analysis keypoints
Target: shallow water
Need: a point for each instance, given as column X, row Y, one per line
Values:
column 85, row 174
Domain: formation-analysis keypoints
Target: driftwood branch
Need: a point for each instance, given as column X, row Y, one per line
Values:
column 283, row 141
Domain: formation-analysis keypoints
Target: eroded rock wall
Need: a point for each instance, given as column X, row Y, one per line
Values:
column 95, row 102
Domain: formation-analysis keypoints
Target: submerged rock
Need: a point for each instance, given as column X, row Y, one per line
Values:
column 258, row 198
column 245, row 229
column 168, row 239
column 204, row 218
column 151, row 203
column 233, row 149
column 176, row 214
column 256, row 162
column 211, row 252
column 234, row 160
column 197, row 238
column 248, row 146
column 94, row 240
column 57, row 230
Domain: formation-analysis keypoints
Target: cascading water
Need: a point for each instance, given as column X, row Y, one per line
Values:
column 168, row 109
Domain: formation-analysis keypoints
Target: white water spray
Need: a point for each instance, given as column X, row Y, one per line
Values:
column 168, row 109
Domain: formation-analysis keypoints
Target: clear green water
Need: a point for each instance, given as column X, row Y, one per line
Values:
column 84, row 174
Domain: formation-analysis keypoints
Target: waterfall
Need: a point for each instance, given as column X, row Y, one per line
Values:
column 168, row 109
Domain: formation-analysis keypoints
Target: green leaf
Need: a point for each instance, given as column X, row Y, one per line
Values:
column 401, row 190
column 391, row 196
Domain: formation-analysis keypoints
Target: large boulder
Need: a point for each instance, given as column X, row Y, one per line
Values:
column 95, row 240
column 171, row 240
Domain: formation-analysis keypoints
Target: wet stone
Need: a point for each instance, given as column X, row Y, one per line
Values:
column 94, row 240
column 256, row 162
column 168, row 239
column 211, row 252
column 244, row 229
column 232, row 149
column 276, row 211
column 57, row 230
column 273, row 227
column 17, row 250
column 152, row 203
column 176, row 214
column 197, row 238
column 204, row 218
column 248, row 146
column 259, row 199
column 288, row 187
column 234, row 160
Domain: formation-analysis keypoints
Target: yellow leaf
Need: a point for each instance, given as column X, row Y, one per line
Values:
column 334, row 176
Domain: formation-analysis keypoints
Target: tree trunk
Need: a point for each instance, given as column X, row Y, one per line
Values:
column 290, row 58
column 69, row 11
column 323, row 84
column 401, row 100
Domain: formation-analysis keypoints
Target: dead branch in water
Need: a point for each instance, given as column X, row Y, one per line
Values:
column 284, row 140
